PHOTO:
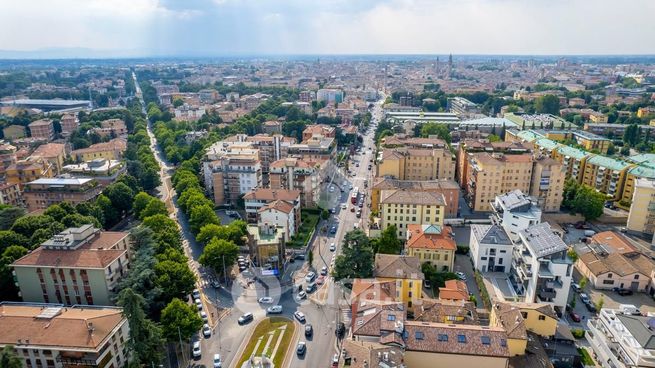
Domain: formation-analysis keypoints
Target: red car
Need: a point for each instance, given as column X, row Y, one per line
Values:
column 320, row 280
column 574, row 316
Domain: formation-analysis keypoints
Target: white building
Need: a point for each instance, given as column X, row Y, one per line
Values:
column 491, row 248
column 541, row 268
column 280, row 214
column 515, row 211
column 329, row 95
column 622, row 340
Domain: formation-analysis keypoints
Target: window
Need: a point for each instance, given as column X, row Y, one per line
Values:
column 503, row 342
column 391, row 317
column 525, row 315
column 636, row 277
column 542, row 318
column 609, row 275
column 485, row 340
column 442, row 337
column 418, row 335
column 461, row 339
column 410, row 294
column 608, row 282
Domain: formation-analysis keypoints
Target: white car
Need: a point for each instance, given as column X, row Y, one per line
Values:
column 331, row 189
column 203, row 315
column 301, row 295
column 276, row 309
column 198, row 303
column 206, row 331
column 324, row 270
column 300, row 316
column 266, row 300
column 217, row 361
column 461, row 275
column 196, row 294
column 310, row 277
column 333, row 247
column 344, row 206
column 197, row 353
column 355, row 226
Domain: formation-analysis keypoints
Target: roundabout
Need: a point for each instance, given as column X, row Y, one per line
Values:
column 268, row 344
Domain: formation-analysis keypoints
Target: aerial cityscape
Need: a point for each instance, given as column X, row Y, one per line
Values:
column 364, row 184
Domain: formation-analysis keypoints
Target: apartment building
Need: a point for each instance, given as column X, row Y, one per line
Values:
column 259, row 198
column 229, row 173
column 491, row 248
column 292, row 173
column 54, row 153
column 605, row 174
column 515, row 211
column 112, row 150
column 43, row 128
column 267, row 246
column 77, row 266
column 641, row 217
column 433, row 244
column 272, row 127
column 454, row 290
column 54, row 336
column 415, row 164
column 329, row 95
column 492, row 174
column 644, row 169
column 520, row 318
column 110, row 128
column 462, row 106
column 318, row 130
column 468, row 146
column 617, row 130
column 622, row 340
column 541, row 269
column 25, row 171
column 10, row 194
column 7, row 156
column 547, row 185
column 43, row 192
column 573, row 160
column 405, row 271
column 447, row 187
column 401, row 208
column 69, row 123
column 592, row 142
column 315, row 149
column 271, row 148
column 104, row 171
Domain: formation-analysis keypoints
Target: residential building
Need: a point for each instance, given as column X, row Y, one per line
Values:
column 232, row 172
column 610, row 261
column 447, row 311
column 318, row 131
column 267, row 247
column 315, row 149
column 306, row 96
column 80, row 265
column 401, row 208
column 592, row 142
column 454, row 290
column 110, row 128
column 292, row 173
column 462, row 106
column 493, row 174
column 621, row 340
column 259, row 198
column 366, row 354
column 515, row 211
column 25, row 171
column 605, row 174
column 405, row 271
column 541, row 268
column 547, row 185
column 641, row 217
column 468, row 146
column 12, row 132
column 54, row 336
column 10, row 194
column 271, row 148
column 615, row 130
column 43, row 128
column 644, row 170
column 329, row 95
column 415, row 164
column 102, row 170
column 432, row 244
column 41, row 193
column 69, row 123
column 280, row 214
column 447, row 187
column 491, row 248
column 520, row 318
column 573, row 160
column 272, row 127
column 54, row 153
column 561, row 349
column 643, row 112
column 7, row 157
column 112, row 150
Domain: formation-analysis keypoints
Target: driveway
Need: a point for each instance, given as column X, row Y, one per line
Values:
column 463, row 264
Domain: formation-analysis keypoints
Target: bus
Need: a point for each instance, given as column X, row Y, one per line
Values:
column 353, row 196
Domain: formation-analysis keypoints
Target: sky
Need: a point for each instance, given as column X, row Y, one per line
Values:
column 233, row 27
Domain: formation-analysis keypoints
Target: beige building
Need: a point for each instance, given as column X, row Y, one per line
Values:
column 112, row 150
column 14, row 132
column 416, row 164
column 271, row 149
column 69, row 123
column 432, row 244
column 7, row 156
column 77, row 266
column 10, row 194
column 43, row 128
column 641, row 217
column 292, row 173
column 52, row 336
column 401, row 208
column 547, row 183
column 41, row 193
column 54, row 153
column 490, row 175
column 230, row 171
column 267, row 246
column 513, row 146
column 520, row 318
column 447, row 187
column 25, row 171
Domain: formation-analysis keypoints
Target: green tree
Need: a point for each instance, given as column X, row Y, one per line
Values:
column 548, row 104
column 8, row 215
column 141, row 200
column 201, row 216
column 175, row 279
column 145, row 342
column 589, row 203
column 356, row 260
column 494, row 138
column 583, row 282
column 219, row 252
column 27, row 225
column 310, row 258
column 440, row 130
column 109, row 213
column 631, row 135
column 600, row 302
column 180, row 319
column 121, row 196
column 8, row 238
column 77, row 220
column 56, row 212
column 8, row 289
column 9, row 359
column 388, row 242
column 155, row 207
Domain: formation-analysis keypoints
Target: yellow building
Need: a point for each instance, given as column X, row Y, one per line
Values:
column 641, row 217
column 416, row 164
column 642, row 112
column 644, row 168
column 598, row 118
column 405, row 271
column 590, row 141
column 432, row 244
column 55, row 153
column 25, row 171
column 447, row 187
column 547, row 183
column 519, row 318
column 607, row 175
column 112, row 150
column 401, row 208
column 573, row 160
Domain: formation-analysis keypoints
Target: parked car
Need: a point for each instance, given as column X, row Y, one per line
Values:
column 341, row 330
column 311, row 287
column 197, row 352
column 245, row 318
column 276, row 309
column 206, row 331
column 590, row 307
column 300, row 316
column 198, row 303
column 623, row 292
column 203, row 316
column 575, row 317
column 196, row 294
column 217, row 361
column 301, row 349
column 310, row 276
column 461, row 275
column 584, row 298
column 266, row 300
column 324, row 271
column 301, row 295
column 333, row 247
column 320, row 280
column 333, row 230
column 309, row 330
column 576, row 287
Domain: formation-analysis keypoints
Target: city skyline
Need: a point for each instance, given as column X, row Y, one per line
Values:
column 151, row 28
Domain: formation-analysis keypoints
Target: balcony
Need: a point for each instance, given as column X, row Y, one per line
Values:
column 554, row 284
column 547, row 294
column 544, row 271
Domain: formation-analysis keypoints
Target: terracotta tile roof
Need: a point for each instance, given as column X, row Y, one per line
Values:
column 445, row 311
column 49, row 150
column 42, row 122
column 390, row 183
column 397, row 267
column 366, row 354
column 456, row 339
column 403, row 196
column 454, row 290
column 70, row 329
column 421, row 237
column 267, row 194
column 94, row 254
column 116, row 144
column 278, row 205
column 620, row 264
column 614, row 240
column 378, row 318
column 291, row 162
column 509, row 318
column 372, row 289
column 544, row 308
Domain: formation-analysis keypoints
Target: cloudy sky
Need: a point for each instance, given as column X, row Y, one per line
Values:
column 227, row 27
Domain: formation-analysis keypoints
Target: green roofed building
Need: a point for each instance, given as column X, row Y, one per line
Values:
column 605, row 174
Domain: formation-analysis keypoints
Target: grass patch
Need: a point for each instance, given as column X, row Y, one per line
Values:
column 585, row 358
column 309, row 221
column 483, row 290
column 262, row 329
